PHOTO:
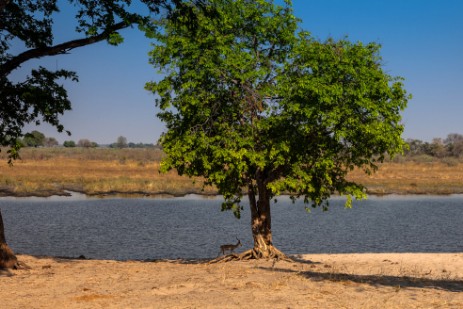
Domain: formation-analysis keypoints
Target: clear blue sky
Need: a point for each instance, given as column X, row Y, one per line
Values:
column 422, row 41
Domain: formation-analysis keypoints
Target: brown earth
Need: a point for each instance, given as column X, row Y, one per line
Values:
column 314, row 281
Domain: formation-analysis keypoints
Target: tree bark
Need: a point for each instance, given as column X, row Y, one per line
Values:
column 261, row 223
column 7, row 257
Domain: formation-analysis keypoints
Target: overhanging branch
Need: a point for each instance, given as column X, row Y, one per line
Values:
column 62, row 48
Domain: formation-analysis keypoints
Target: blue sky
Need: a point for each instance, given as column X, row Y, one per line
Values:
column 422, row 41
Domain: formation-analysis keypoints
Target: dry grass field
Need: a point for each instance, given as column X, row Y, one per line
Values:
column 43, row 172
column 410, row 177
column 100, row 171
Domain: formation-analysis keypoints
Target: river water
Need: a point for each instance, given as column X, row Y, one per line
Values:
column 194, row 227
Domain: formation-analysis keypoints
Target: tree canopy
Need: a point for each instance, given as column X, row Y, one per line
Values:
column 121, row 142
column 34, row 139
column 258, row 107
column 69, row 144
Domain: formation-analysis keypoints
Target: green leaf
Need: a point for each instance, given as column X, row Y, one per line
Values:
column 247, row 99
column 115, row 38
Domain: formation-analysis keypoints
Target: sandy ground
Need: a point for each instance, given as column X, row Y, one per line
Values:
column 314, row 281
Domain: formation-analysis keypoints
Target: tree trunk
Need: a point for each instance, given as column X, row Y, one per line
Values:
column 261, row 223
column 7, row 257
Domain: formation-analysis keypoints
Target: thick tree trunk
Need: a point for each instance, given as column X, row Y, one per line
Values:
column 7, row 257
column 261, row 223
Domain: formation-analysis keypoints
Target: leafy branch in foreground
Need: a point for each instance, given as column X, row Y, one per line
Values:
column 28, row 24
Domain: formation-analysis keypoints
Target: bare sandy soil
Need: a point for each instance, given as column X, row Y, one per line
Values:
column 313, row 281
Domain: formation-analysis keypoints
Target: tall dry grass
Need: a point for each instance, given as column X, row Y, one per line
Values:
column 45, row 171
column 411, row 177
column 103, row 154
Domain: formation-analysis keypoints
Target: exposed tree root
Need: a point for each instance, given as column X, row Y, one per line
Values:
column 8, row 258
column 253, row 254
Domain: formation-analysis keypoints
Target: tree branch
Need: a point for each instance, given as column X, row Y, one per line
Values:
column 3, row 4
column 62, row 48
column 269, row 57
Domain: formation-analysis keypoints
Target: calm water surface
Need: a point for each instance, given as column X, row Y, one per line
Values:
column 194, row 227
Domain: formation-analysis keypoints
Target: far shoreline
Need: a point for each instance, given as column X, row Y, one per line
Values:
column 76, row 195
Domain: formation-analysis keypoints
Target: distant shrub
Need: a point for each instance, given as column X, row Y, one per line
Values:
column 144, row 155
column 69, row 144
column 450, row 161
column 86, row 143
column 399, row 159
column 423, row 158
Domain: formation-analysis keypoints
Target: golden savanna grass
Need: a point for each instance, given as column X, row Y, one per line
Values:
column 92, row 171
column 410, row 177
column 45, row 171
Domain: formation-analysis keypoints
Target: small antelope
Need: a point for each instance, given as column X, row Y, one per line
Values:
column 230, row 247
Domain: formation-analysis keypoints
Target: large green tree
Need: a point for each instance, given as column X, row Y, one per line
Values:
column 260, row 108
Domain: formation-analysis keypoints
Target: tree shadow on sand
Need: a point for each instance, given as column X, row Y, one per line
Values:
column 333, row 276
column 392, row 281
column 379, row 280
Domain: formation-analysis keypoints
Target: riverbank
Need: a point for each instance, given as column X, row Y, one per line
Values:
column 313, row 281
column 135, row 172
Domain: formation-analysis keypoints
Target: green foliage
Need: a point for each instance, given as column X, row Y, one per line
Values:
column 41, row 97
column 34, row 139
column 69, row 144
column 249, row 100
column 37, row 99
